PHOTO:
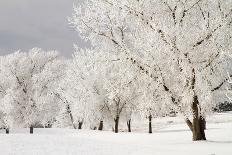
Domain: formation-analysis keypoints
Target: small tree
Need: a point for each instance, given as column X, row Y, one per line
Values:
column 77, row 87
column 120, row 89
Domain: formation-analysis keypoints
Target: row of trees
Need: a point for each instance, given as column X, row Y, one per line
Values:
column 147, row 59
column 41, row 89
column 100, row 87
column 94, row 88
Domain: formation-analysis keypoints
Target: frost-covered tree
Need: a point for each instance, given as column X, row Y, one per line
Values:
column 181, row 42
column 119, row 84
column 27, row 84
column 78, row 87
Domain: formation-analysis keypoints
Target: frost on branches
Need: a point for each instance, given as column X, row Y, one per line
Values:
column 77, row 88
column 99, row 88
column 179, row 44
column 28, row 81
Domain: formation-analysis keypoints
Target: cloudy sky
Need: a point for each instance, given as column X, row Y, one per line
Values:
column 25, row 24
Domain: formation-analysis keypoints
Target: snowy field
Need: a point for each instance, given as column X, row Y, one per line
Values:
column 172, row 137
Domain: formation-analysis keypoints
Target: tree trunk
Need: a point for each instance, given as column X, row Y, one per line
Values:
column 80, row 125
column 150, row 124
column 71, row 116
column 31, row 130
column 7, row 130
column 100, row 128
column 129, row 125
column 74, row 126
column 199, row 123
column 116, row 121
column 189, row 123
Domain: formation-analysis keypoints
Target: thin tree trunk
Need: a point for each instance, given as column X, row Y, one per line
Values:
column 116, row 121
column 80, row 125
column 31, row 130
column 73, row 124
column 129, row 125
column 100, row 126
column 71, row 116
column 7, row 130
column 150, row 124
column 199, row 123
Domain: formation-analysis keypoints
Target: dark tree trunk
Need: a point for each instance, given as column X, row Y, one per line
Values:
column 199, row 123
column 7, row 130
column 189, row 123
column 71, row 116
column 100, row 126
column 150, row 124
column 116, row 124
column 80, row 125
column 129, row 125
column 31, row 130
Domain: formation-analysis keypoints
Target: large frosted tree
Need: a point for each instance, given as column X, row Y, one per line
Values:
column 181, row 43
column 28, row 81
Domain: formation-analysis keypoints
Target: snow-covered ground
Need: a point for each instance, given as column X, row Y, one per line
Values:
column 172, row 137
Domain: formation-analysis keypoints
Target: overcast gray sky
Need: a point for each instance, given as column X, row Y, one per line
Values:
column 25, row 24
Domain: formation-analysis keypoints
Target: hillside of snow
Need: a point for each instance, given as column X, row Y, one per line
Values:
column 173, row 138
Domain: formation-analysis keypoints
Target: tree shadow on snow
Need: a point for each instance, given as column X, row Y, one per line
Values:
column 219, row 142
column 167, row 131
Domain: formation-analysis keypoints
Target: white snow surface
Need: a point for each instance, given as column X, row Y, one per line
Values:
column 171, row 137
